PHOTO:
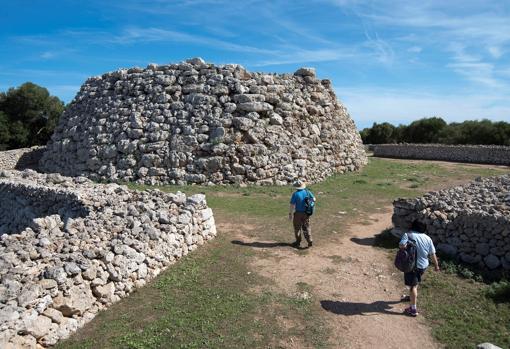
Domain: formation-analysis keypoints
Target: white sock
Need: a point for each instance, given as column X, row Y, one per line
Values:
column 413, row 306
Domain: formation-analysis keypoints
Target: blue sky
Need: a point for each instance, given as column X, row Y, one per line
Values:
column 393, row 61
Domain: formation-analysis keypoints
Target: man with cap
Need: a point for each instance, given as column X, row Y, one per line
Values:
column 300, row 219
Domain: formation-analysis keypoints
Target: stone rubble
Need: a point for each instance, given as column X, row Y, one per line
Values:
column 470, row 222
column 195, row 122
column 69, row 248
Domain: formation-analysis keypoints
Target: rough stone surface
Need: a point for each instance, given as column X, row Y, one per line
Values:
column 69, row 248
column 21, row 159
column 480, row 154
column 195, row 122
column 471, row 222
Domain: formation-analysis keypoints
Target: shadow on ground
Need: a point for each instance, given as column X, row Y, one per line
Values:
column 262, row 244
column 364, row 241
column 351, row 308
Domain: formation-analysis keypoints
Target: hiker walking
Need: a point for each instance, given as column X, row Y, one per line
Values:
column 301, row 208
column 424, row 249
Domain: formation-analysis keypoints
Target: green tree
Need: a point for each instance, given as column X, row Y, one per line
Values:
column 32, row 114
column 4, row 131
column 426, row 130
column 379, row 134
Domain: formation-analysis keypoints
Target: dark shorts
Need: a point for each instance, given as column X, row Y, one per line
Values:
column 413, row 278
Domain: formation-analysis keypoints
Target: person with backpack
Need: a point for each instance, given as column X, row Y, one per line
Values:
column 413, row 258
column 302, row 205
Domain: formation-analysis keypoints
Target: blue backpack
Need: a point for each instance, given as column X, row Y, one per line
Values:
column 405, row 260
column 309, row 203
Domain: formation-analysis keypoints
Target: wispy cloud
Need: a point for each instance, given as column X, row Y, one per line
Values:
column 480, row 28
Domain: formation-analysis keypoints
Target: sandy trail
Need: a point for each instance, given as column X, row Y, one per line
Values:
column 355, row 284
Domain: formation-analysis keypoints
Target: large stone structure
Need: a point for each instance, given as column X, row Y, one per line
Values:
column 470, row 222
column 195, row 122
column 69, row 248
column 479, row 154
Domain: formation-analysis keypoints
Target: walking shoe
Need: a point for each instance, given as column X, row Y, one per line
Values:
column 310, row 244
column 410, row 312
column 296, row 244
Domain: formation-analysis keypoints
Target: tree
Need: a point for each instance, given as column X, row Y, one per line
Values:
column 426, row 130
column 32, row 114
column 4, row 131
column 379, row 134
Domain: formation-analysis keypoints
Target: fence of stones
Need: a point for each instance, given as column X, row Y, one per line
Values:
column 21, row 159
column 470, row 222
column 481, row 154
column 69, row 248
column 195, row 122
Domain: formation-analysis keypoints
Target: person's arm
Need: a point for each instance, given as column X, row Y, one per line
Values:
column 436, row 263
column 432, row 254
column 403, row 242
column 292, row 207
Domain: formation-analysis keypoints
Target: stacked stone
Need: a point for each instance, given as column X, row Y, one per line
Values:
column 69, row 248
column 21, row 159
column 471, row 222
column 195, row 122
column 478, row 154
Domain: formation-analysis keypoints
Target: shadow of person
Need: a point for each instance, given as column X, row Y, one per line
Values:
column 364, row 241
column 351, row 308
column 258, row 244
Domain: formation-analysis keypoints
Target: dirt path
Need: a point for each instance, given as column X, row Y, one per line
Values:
column 355, row 283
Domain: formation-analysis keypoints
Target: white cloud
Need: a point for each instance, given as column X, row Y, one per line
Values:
column 415, row 49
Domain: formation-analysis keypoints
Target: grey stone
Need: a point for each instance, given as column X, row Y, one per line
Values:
column 305, row 72
column 491, row 261
column 487, row 346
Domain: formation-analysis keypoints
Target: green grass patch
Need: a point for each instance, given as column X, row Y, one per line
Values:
column 460, row 313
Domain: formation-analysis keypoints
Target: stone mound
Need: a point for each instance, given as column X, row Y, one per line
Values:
column 69, row 248
column 195, row 122
column 470, row 222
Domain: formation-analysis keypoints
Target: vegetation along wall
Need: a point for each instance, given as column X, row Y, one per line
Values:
column 470, row 222
column 195, row 122
column 69, row 248
column 482, row 154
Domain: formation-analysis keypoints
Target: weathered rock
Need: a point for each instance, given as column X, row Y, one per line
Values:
column 79, row 300
column 161, row 125
column 487, row 346
column 39, row 327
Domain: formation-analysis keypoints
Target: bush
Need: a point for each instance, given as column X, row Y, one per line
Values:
column 499, row 291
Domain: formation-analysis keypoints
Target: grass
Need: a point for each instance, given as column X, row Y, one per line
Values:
column 460, row 313
column 214, row 298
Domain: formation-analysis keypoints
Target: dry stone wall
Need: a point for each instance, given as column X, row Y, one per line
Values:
column 21, row 159
column 69, row 248
column 471, row 222
column 480, row 154
column 195, row 122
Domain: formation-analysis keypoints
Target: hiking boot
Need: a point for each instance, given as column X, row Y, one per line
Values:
column 296, row 244
column 410, row 312
column 310, row 244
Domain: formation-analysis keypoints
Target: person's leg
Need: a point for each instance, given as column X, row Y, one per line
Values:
column 307, row 231
column 297, row 228
column 413, row 295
